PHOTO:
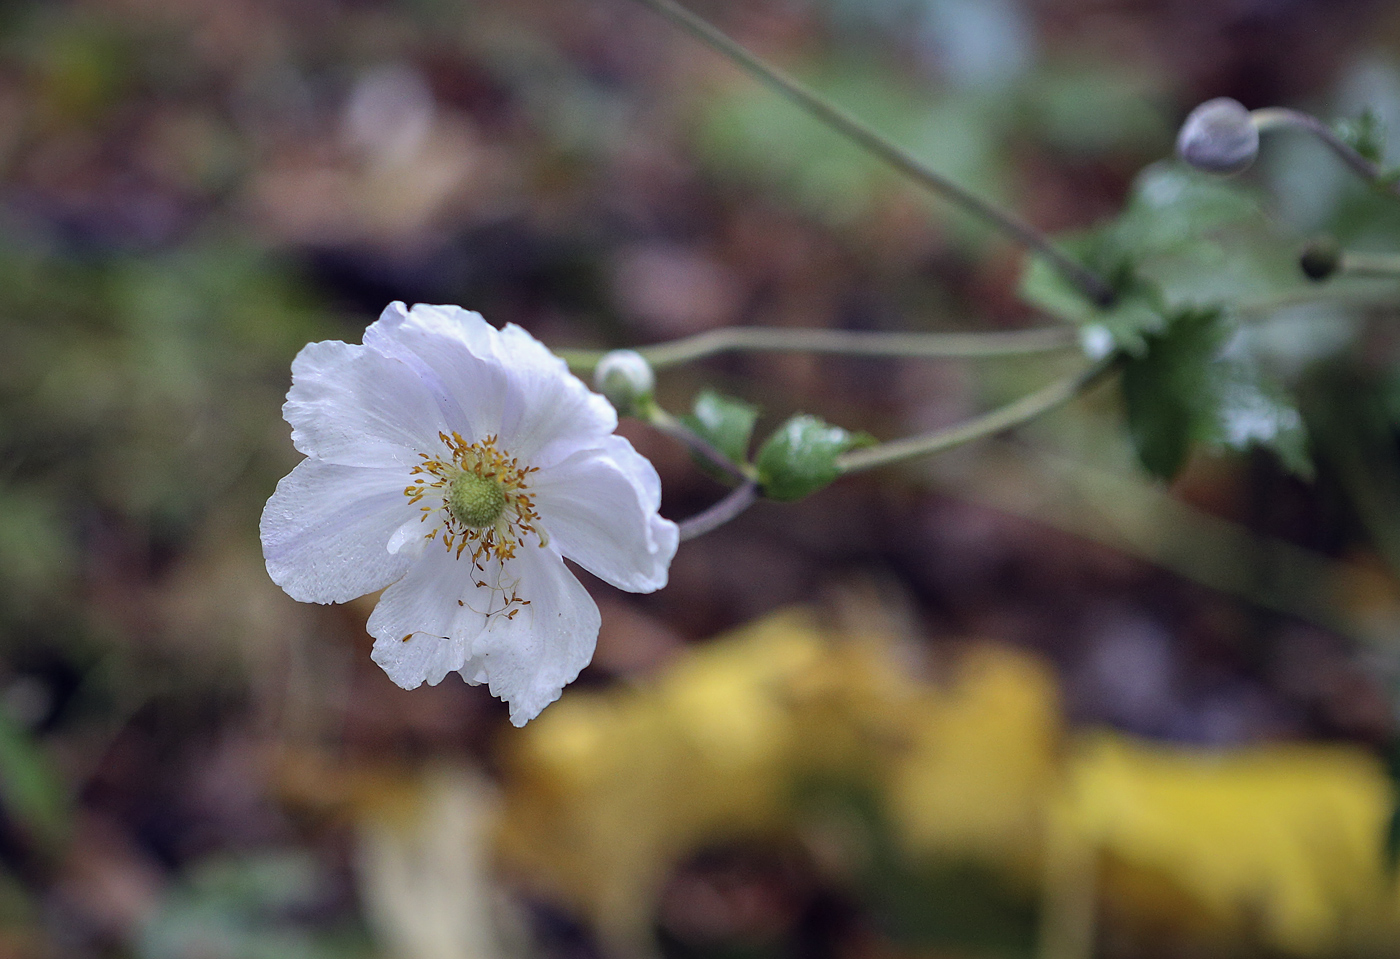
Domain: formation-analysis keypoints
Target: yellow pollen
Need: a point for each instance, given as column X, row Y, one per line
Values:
column 480, row 500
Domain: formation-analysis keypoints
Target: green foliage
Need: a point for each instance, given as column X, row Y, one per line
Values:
column 141, row 387
column 31, row 794
column 800, row 457
column 1185, row 241
column 753, row 134
column 724, row 422
column 1187, row 254
column 921, row 904
column 247, row 909
column 1193, row 384
column 1363, row 133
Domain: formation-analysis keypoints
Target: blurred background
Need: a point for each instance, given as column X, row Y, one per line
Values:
column 1016, row 701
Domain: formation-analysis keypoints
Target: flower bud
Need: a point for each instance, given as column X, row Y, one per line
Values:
column 1219, row 137
column 625, row 378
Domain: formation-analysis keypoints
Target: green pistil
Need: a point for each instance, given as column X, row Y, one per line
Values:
column 476, row 501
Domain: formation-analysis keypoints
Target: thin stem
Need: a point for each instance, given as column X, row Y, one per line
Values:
column 697, row 444
column 1013, row 414
column 859, row 132
column 1373, row 265
column 843, row 342
column 1274, row 117
column 739, row 499
column 1262, row 308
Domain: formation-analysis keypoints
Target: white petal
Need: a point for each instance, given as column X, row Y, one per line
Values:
column 554, row 413
column 439, row 608
column 599, row 507
column 419, row 659
column 531, row 658
column 473, row 672
column 326, row 529
column 353, row 405
column 504, row 382
column 455, row 353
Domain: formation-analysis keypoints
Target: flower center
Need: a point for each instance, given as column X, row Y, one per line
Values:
column 476, row 501
column 484, row 503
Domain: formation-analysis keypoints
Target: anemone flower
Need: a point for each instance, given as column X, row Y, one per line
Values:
column 459, row 465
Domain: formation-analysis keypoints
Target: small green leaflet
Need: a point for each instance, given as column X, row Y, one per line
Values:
column 725, row 423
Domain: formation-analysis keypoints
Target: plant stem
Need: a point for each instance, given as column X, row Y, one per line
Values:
column 1263, row 308
column 697, row 444
column 1274, row 117
column 1013, row 414
column 1372, row 265
column 865, row 136
column 842, row 342
column 739, row 499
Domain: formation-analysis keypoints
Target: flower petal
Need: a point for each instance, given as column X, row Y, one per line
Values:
column 425, row 623
column 531, row 658
column 503, row 382
column 325, row 531
column 554, row 413
column 353, row 405
column 599, row 507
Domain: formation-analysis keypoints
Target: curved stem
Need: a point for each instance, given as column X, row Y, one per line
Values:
column 739, row 499
column 843, row 342
column 1274, row 117
column 859, row 132
column 697, row 444
column 1013, row 414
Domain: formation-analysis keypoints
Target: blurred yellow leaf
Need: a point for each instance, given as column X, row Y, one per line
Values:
column 1279, row 843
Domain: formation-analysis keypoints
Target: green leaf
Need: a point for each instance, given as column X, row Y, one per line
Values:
column 724, row 422
column 800, row 458
column 1158, row 421
column 1184, row 243
column 1197, row 383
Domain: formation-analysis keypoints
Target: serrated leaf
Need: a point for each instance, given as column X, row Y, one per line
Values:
column 1184, row 243
column 724, row 422
column 800, row 458
column 1195, row 383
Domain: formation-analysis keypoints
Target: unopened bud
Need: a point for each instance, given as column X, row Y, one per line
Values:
column 1219, row 137
column 625, row 378
column 1321, row 258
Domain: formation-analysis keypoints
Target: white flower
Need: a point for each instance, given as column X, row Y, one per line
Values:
column 458, row 465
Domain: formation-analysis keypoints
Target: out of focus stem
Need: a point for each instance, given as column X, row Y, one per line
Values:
column 856, row 130
column 1271, row 118
column 988, row 424
column 768, row 339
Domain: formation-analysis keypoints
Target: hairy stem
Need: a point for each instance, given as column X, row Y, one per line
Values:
column 860, row 133
column 1013, row 414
